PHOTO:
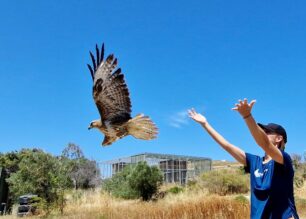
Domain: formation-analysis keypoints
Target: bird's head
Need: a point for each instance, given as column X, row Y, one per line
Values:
column 95, row 124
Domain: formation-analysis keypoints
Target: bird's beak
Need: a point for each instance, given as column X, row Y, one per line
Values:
column 89, row 127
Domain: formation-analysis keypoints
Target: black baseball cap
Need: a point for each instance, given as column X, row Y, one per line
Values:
column 274, row 128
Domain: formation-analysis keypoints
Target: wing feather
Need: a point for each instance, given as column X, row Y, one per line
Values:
column 97, row 54
column 93, row 61
column 102, row 53
column 110, row 91
column 91, row 71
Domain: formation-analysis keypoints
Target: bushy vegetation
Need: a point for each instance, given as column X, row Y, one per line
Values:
column 83, row 172
column 41, row 174
column 242, row 199
column 33, row 171
column 118, row 185
column 299, row 165
column 224, row 182
column 145, row 180
column 175, row 189
column 135, row 181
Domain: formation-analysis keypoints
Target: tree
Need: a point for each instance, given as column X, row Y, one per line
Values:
column 39, row 173
column 136, row 181
column 146, row 180
column 10, row 161
column 89, row 174
column 119, row 185
column 296, row 160
column 73, row 152
column 300, row 170
column 83, row 172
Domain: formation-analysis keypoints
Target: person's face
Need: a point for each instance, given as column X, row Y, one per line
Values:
column 274, row 138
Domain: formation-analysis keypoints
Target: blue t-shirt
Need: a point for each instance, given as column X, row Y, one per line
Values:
column 271, row 188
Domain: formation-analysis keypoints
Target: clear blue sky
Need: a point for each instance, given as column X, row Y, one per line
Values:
column 174, row 54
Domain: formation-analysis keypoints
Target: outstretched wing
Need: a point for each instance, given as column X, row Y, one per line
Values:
column 110, row 91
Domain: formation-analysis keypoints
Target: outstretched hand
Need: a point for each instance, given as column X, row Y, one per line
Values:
column 243, row 107
column 197, row 116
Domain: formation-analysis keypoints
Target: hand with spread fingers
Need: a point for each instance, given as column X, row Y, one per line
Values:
column 197, row 116
column 244, row 108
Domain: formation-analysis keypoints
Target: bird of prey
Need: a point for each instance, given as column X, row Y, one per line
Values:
column 111, row 96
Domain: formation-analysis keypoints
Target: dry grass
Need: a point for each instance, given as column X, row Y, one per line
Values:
column 300, row 199
column 301, row 192
column 218, row 164
column 192, row 204
column 181, row 206
column 186, row 205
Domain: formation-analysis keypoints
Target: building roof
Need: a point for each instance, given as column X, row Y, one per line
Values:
column 155, row 155
column 186, row 157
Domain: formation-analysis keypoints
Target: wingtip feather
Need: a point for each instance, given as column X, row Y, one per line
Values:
column 91, row 71
column 93, row 61
column 102, row 53
column 97, row 54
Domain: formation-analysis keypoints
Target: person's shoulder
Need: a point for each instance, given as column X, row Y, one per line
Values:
column 251, row 155
column 286, row 156
column 287, row 164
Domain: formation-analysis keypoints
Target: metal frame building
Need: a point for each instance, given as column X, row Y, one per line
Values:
column 176, row 168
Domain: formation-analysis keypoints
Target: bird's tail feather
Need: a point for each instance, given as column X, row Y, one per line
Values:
column 142, row 127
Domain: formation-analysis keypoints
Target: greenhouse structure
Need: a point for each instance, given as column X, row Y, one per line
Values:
column 176, row 168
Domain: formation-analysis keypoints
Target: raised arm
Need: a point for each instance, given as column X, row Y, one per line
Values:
column 235, row 151
column 261, row 138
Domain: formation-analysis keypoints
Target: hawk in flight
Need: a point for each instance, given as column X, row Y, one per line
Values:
column 111, row 96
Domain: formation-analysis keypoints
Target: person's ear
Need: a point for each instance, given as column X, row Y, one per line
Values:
column 279, row 138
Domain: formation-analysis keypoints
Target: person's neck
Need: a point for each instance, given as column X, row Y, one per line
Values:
column 267, row 158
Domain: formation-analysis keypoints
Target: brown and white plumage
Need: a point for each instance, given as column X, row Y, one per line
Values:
column 111, row 96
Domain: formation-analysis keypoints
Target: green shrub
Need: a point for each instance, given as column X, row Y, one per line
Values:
column 225, row 182
column 145, row 180
column 136, row 181
column 39, row 173
column 242, row 199
column 118, row 185
column 192, row 183
column 175, row 190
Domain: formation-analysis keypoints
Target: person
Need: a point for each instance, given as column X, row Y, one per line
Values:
column 271, row 176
